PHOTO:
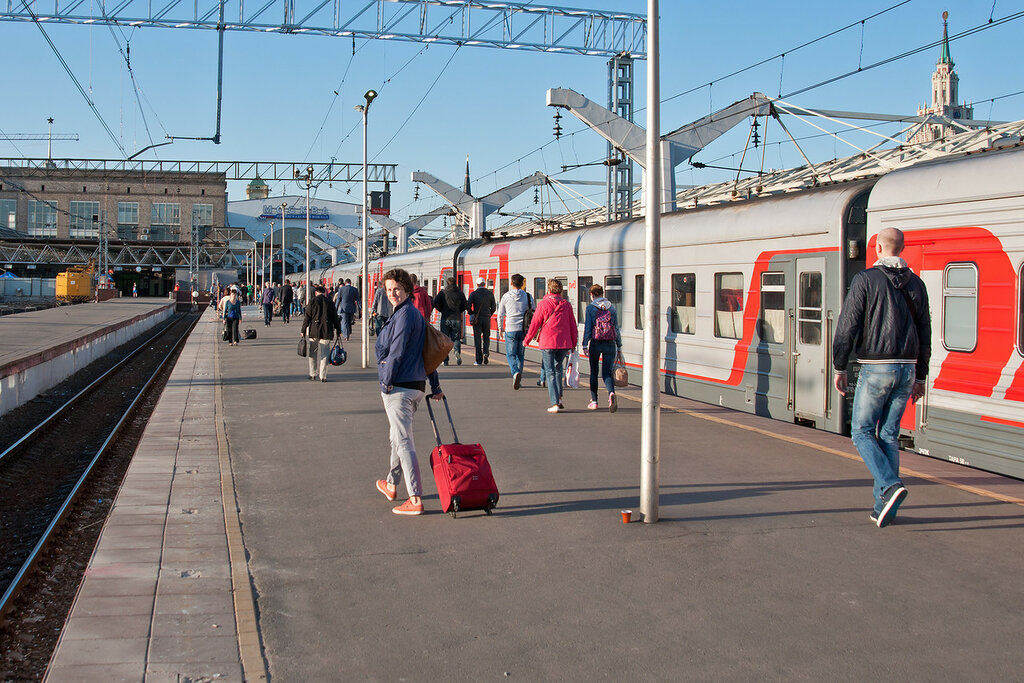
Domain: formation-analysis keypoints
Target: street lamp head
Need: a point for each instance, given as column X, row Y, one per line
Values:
column 370, row 96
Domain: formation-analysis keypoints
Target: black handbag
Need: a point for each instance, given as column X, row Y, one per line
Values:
column 302, row 346
column 227, row 331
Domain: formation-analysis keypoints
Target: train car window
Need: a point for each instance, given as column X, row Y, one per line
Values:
column 565, row 287
column 433, row 287
column 540, row 288
column 503, row 287
column 808, row 313
column 583, row 296
column 729, row 305
column 613, row 292
column 960, row 307
column 772, row 321
column 639, row 322
column 684, row 306
column 1020, row 311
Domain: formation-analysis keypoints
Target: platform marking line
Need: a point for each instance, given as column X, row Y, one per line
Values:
column 834, row 451
column 253, row 664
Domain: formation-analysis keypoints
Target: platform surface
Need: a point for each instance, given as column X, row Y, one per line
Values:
column 25, row 335
column 763, row 565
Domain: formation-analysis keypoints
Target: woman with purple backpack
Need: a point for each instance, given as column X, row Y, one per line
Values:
column 602, row 341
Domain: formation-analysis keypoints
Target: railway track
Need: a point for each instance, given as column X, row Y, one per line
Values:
column 44, row 474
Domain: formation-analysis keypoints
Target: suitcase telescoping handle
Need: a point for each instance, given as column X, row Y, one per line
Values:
column 433, row 422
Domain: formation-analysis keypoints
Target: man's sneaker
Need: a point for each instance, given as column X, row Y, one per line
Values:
column 874, row 518
column 486, row 360
column 613, row 405
column 409, row 508
column 517, row 380
column 389, row 493
column 475, row 363
column 554, row 409
column 592, row 405
column 458, row 360
column 893, row 497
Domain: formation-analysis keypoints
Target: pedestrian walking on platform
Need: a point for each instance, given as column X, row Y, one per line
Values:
column 602, row 339
column 403, row 383
column 382, row 308
column 451, row 304
column 481, row 307
column 511, row 313
column 135, row 289
column 268, row 304
column 321, row 321
column 886, row 321
column 347, row 303
column 287, row 296
column 555, row 324
column 233, row 315
column 421, row 298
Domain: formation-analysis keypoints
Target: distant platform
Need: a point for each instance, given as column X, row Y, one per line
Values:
column 39, row 349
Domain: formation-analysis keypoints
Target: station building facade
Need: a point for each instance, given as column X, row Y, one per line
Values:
column 69, row 203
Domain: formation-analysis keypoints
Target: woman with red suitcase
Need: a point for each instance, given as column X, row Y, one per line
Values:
column 403, row 383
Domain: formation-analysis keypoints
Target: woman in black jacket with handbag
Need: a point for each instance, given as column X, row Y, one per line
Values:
column 322, row 322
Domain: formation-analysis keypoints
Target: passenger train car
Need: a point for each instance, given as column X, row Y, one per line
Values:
column 752, row 290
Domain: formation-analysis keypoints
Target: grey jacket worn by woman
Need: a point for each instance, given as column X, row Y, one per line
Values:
column 885, row 318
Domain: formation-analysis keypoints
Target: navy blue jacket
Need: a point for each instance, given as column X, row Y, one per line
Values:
column 347, row 299
column 399, row 349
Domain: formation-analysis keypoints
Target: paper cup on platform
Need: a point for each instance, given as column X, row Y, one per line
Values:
column 627, row 516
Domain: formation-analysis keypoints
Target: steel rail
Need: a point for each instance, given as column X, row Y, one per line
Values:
column 19, row 579
column 74, row 399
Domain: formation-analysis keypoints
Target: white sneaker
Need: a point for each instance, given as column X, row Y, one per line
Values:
column 554, row 409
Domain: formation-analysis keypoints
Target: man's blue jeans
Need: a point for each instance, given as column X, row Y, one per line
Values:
column 515, row 351
column 878, row 404
column 554, row 372
column 346, row 323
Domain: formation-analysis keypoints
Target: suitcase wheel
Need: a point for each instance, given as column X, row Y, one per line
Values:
column 455, row 507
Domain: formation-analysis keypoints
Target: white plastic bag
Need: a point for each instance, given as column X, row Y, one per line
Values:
column 572, row 371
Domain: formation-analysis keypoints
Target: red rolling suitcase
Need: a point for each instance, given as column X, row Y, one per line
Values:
column 462, row 473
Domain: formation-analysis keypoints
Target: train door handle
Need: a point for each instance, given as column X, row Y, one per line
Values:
column 794, row 353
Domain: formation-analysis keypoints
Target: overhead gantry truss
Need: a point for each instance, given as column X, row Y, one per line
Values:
column 230, row 170
column 506, row 25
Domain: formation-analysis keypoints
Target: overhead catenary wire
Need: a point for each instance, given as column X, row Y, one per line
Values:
column 74, row 80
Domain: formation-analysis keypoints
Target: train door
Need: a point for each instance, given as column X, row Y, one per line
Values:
column 809, row 356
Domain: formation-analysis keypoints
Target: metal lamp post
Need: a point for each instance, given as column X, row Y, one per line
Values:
column 284, row 205
column 308, row 178
column 650, row 433
column 365, row 110
column 263, row 261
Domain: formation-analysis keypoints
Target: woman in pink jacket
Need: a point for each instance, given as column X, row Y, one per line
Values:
column 555, row 323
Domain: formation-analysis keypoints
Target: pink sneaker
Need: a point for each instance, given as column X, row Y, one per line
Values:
column 592, row 405
column 383, row 487
column 409, row 508
column 613, row 405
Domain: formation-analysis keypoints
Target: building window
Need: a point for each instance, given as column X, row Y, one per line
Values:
column 127, row 220
column 684, row 304
column 808, row 313
column 42, row 218
column 8, row 210
column 583, row 296
column 85, row 219
column 165, row 222
column 960, row 307
column 202, row 218
column 639, row 322
column 729, row 305
column 773, row 308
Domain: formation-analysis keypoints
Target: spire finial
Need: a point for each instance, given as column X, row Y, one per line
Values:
column 945, row 57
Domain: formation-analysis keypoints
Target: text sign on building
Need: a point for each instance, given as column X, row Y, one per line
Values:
column 317, row 213
column 380, row 203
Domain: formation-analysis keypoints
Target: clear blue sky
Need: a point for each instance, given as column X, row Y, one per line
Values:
column 489, row 103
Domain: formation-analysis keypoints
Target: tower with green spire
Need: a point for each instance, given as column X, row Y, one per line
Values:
column 945, row 85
